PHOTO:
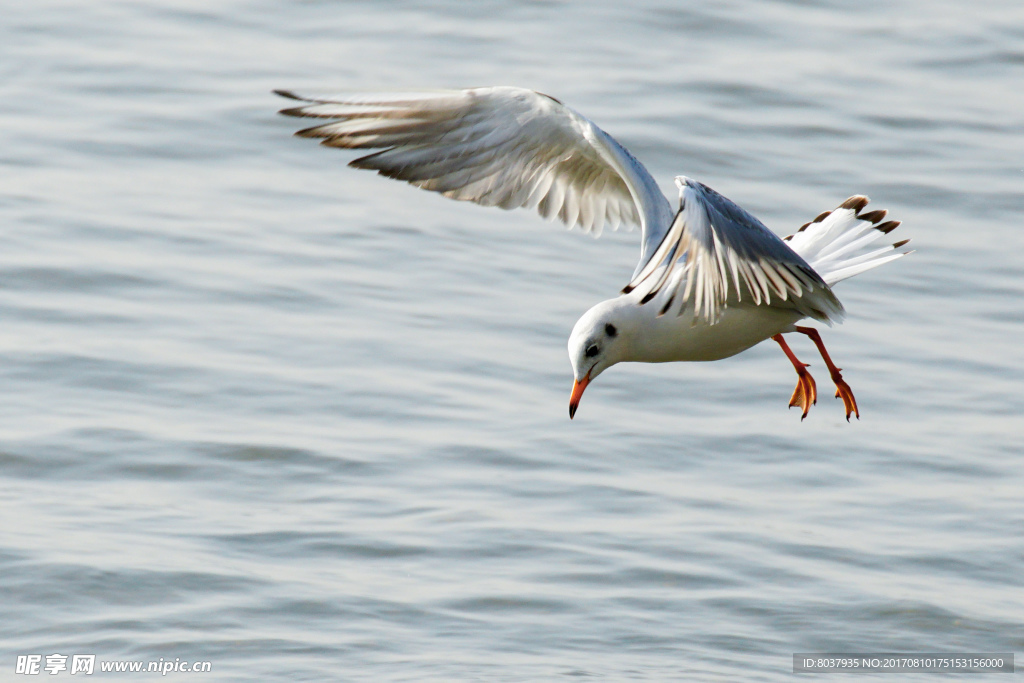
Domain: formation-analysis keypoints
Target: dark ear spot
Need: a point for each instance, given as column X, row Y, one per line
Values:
column 610, row 330
column 592, row 350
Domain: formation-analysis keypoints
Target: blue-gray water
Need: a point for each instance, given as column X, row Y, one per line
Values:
column 305, row 423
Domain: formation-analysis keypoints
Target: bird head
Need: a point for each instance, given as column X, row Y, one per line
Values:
column 598, row 341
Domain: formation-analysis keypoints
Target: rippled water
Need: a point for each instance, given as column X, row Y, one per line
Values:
column 306, row 424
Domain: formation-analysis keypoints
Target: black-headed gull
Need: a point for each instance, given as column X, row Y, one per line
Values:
column 712, row 280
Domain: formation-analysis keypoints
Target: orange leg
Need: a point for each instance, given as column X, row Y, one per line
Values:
column 806, row 393
column 842, row 388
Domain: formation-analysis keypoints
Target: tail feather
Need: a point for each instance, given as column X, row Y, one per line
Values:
column 843, row 242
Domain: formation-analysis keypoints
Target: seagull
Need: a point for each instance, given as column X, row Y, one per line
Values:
column 712, row 280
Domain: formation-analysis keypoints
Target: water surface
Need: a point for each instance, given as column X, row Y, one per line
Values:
column 307, row 424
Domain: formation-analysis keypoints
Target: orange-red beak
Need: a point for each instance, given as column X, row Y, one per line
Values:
column 577, row 394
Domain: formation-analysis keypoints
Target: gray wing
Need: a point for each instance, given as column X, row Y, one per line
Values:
column 715, row 253
column 499, row 146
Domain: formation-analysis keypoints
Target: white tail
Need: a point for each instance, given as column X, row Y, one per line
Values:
column 844, row 242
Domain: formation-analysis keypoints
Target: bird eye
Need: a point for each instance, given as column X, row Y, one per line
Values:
column 610, row 330
column 592, row 350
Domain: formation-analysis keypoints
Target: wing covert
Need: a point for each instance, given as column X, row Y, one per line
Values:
column 715, row 253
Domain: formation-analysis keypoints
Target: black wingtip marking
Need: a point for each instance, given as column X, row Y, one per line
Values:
column 314, row 132
column 887, row 227
column 873, row 216
column 365, row 162
column 293, row 111
column 899, row 244
column 856, row 202
column 649, row 296
column 287, row 93
column 817, row 219
column 553, row 99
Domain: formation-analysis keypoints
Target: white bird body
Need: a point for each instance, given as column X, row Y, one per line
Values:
column 650, row 338
column 711, row 281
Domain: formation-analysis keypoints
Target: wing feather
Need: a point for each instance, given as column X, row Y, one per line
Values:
column 501, row 146
column 712, row 241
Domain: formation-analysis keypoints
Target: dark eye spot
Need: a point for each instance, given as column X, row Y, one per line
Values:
column 610, row 330
column 592, row 350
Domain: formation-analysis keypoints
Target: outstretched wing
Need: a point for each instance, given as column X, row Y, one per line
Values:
column 715, row 253
column 500, row 146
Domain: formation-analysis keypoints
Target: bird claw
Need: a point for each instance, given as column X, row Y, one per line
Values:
column 844, row 392
column 806, row 393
